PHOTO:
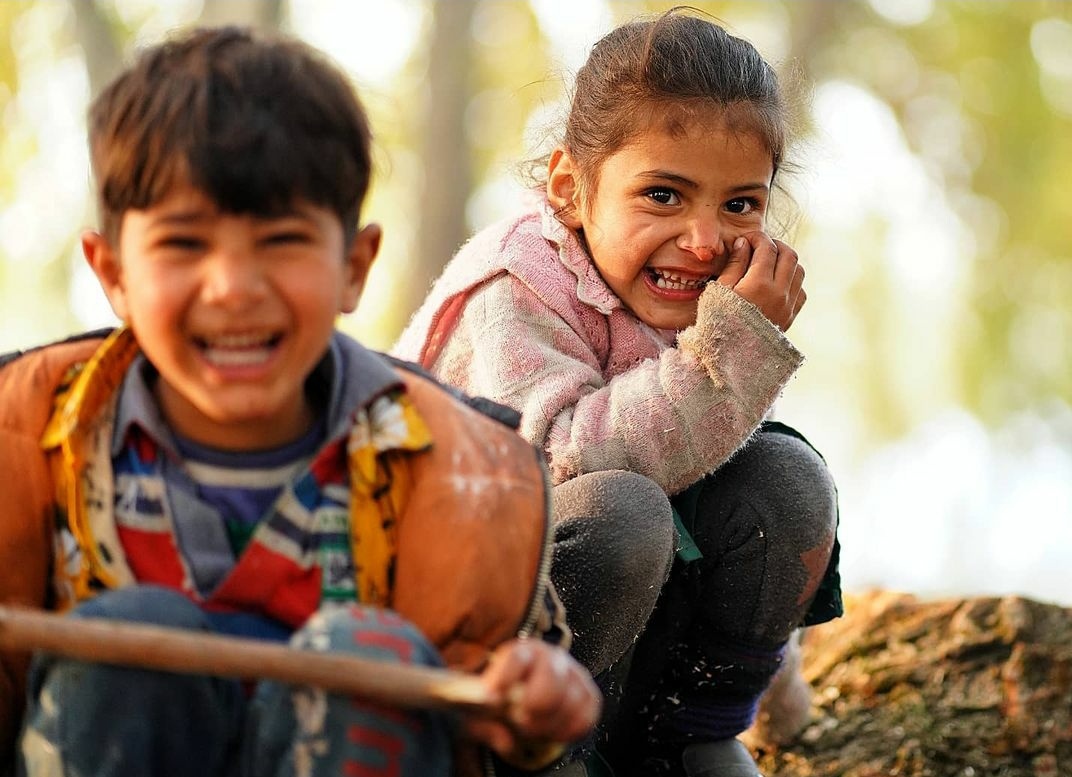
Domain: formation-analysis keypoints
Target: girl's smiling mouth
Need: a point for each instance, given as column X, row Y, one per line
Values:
column 668, row 280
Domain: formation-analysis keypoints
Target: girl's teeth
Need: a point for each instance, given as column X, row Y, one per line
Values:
column 675, row 282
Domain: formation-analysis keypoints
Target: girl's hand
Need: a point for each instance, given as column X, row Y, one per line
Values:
column 548, row 700
column 767, row 273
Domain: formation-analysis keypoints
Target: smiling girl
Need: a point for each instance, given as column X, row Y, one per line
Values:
column 636, row 318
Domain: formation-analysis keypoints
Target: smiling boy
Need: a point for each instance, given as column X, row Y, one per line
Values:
column 227, row 461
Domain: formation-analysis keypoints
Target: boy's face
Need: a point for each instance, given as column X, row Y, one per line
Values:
column 233, row 310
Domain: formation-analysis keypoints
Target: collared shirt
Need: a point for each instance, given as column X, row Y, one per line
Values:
column 201, row 527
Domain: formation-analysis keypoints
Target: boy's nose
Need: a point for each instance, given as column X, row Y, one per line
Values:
column 232, row 279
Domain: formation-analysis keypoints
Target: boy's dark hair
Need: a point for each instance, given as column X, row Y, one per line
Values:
column 253, row 121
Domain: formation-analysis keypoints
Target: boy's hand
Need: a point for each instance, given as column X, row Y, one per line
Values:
column 767, row 273
column 548, row 700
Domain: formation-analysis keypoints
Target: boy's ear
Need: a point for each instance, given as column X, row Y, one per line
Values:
column 104, row 261
column 363, row 250
column 563, row 188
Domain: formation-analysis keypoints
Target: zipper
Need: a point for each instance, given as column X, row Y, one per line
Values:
column 543, row 572
column 543, row 579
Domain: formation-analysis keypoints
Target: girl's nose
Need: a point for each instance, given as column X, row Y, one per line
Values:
column 703, row 239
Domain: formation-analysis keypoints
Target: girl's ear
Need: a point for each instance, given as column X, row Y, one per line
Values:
column 563, row 188
column 104, row 261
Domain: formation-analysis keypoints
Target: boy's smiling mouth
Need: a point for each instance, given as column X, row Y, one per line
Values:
column 672, row 281
column 237, row 350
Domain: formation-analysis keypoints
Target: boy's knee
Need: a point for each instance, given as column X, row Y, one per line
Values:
column 369, row 632
column 144, row 604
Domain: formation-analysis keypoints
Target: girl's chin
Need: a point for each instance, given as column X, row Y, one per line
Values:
column 674, row 323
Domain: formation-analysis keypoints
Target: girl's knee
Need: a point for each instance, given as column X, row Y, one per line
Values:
column 788, row 487
column 620, row 521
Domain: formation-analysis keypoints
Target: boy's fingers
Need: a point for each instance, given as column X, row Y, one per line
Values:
column 559, row 700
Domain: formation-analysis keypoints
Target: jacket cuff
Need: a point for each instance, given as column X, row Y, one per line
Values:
column 728, row 324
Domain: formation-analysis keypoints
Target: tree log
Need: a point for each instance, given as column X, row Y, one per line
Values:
column 903, row 687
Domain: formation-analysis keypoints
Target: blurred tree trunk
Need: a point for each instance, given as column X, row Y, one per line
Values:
column 104, row 51
column 99, row 42
column 444, row 150
column 266, row 14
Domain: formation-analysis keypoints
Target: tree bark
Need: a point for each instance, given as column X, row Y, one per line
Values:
column 953, row 688
column 99, row 43
column 267, row 14
column 444, row 150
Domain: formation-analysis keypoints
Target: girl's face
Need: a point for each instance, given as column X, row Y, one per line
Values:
column 665, row 210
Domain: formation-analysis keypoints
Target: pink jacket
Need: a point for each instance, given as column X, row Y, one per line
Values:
column 520, row 315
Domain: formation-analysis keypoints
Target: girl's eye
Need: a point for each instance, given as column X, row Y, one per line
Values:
column 663, row 196
column 743, row 205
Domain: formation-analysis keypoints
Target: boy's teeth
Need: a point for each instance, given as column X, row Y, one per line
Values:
column 231, row 357
column 238, row 341
column 237, row 350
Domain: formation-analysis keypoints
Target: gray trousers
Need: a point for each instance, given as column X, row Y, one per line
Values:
column 765, row 524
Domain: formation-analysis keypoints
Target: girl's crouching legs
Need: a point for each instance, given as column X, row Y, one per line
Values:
column 306, row 732
column 614, row 541
column 765, row 524
column 105, row 720
column 614, row 544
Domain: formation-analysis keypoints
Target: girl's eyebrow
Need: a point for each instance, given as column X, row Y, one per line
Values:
column 667, row 176
column 747, row 188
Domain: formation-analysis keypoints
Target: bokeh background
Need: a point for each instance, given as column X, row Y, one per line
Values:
column 934, row 203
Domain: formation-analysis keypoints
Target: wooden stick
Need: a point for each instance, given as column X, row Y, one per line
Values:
column 106, row 641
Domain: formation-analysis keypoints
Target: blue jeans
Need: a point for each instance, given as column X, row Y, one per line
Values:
column 104, row 721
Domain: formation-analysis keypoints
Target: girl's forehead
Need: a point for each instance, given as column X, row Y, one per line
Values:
column 679, row 119
column 697, row 124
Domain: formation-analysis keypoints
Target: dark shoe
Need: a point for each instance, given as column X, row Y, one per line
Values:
column 728, row 758
column 573, row 769
column 592, row 766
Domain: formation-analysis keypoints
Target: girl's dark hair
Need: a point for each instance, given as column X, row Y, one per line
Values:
column 254, row 122
column 669, row 67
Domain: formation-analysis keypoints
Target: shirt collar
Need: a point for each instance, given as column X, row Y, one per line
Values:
column 348, row 377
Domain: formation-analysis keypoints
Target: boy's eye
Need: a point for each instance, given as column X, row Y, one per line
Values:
column 286, row 237
column 663, row 196
column 743, row 205
column 182, row 242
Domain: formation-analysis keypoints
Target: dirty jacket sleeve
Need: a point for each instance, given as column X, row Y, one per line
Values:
column 673, row 414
